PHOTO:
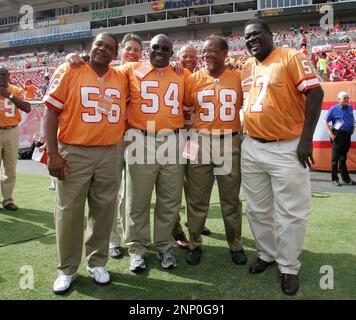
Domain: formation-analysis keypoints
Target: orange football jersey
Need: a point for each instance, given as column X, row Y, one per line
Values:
column 9, row 114
column 156, row 95
column 92, row 108
column 187, row 72
column 275, row 106
column 216, row 101
column 30, row 92
column 246, row 81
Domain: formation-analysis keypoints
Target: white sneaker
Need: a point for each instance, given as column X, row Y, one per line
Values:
column 137, row 263
column 63, row 283
column 99, row 274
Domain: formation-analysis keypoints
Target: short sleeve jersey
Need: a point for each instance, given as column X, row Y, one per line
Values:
column 156, row 96
column 216, row 101
column 9, row 114
column 77, row 94
column 30, row 91
column 276, row 101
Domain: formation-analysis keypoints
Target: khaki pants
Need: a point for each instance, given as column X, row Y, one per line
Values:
column 177, row 229
column 95, row 174
column 200, row 180
column 278, row 193
column 115, row 237
column 167, row 179
column 9, row 144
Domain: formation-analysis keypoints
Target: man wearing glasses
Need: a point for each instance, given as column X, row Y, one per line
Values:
column 215, row 95
column 342, row 127
column 155, row 111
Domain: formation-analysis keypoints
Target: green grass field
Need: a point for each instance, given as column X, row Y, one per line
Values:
column 27, row 239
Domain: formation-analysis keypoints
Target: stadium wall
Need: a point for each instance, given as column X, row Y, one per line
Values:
column 321, row 140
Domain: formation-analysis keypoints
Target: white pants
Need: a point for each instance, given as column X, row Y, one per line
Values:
column 278, row 194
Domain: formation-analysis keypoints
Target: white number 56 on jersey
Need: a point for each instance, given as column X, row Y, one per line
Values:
column 95, row 116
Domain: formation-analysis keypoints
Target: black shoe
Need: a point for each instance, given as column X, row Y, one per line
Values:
column 193, row 256
column 289, row 284
column 336, row 183
column 181, row 236
column 351, row 182
column 259, row 266
column 239, row 257
column 206, row 232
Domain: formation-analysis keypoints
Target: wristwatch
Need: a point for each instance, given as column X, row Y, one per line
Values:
column 11, row 96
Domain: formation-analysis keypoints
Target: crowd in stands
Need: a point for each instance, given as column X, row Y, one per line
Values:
column 339, row 66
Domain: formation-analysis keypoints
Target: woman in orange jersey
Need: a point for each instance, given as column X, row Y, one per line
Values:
column 131, row 50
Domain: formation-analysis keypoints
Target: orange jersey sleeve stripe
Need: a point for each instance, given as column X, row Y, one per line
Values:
column 53, row 102
column 306, row 84
column 48, row 104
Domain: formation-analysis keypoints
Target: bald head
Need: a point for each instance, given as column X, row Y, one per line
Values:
column 188, row 57
column 160, row 37
column 161, row 50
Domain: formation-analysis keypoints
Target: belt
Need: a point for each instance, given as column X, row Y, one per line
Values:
column 264, row 140
column 222, row 136
column 8, row 127
column 159, row 133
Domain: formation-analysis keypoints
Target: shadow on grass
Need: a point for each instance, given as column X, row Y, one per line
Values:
column 216, row 277
column 24, row 224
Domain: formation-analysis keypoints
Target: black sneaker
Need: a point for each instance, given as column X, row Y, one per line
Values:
column 239, row 257
column 351, row 182
column 206, row 232
column 337, row 183
column 193, row 256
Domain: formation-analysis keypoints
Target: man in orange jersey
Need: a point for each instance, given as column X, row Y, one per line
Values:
column 188, row 57
column 281, row 113
column 86, row 106
column 216, row 95
column 155, row 111
column 10, row 105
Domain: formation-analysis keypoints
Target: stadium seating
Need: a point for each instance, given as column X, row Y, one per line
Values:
column 34, row 65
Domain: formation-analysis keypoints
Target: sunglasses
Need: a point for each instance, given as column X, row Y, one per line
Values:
column 156, row 47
